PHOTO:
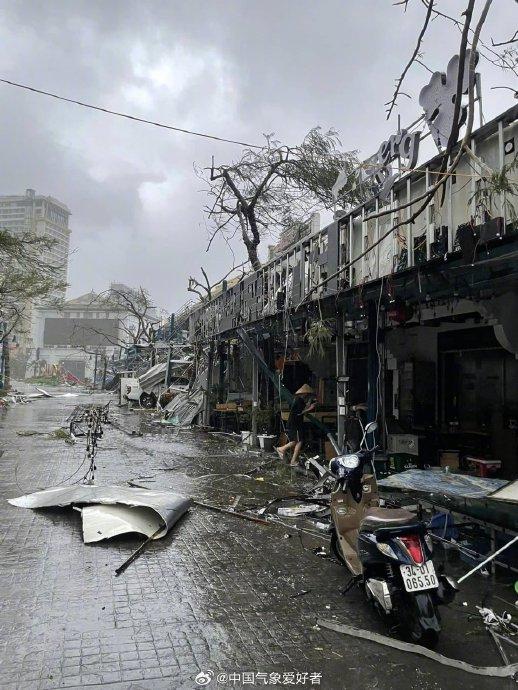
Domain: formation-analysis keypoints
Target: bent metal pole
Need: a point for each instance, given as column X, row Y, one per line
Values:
column 506, row 546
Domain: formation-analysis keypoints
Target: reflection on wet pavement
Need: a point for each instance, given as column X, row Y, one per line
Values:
column 216, row 594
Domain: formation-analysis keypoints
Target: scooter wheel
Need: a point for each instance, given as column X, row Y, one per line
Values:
column 148, row 401
column 428, row 639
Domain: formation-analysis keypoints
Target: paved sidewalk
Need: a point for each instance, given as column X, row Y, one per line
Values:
column 216, row 595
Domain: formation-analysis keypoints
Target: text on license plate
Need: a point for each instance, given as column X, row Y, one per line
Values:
column 418, row 577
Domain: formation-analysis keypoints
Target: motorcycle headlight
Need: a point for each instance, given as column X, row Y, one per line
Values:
column 349, row 461
column 342, row 464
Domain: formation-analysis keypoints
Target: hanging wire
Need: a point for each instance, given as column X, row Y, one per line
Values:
column 127, row 116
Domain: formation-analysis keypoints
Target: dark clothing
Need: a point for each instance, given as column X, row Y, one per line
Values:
column 295, row 425
column 296, row 435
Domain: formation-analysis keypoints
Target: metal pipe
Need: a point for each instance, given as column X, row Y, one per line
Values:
column 480, row 565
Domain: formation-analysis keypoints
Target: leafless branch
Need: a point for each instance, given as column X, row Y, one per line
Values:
column 392, row 103
column 514, row 39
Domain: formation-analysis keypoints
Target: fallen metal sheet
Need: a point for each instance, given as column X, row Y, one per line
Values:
column 43, row 392
column 104, row 522
column 153, row 376
column 168, row 506
column 183, row 409
column 495, row 671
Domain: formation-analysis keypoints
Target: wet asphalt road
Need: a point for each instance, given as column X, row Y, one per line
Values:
column 215, row 595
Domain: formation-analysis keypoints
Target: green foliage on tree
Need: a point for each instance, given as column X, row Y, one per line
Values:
column 26, row 276
column 275, row 187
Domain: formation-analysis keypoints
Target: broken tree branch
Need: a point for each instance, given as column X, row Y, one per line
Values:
column 392, row 103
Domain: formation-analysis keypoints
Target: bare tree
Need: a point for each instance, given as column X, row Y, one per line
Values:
column 269, row 189
column 196, row 286
column 136, row 323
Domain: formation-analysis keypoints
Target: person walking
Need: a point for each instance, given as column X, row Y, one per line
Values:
column 303, row 403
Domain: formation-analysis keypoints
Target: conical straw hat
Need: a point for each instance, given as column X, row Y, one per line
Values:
column 304, row 389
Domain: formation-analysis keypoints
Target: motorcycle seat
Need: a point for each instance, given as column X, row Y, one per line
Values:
column 387, row 517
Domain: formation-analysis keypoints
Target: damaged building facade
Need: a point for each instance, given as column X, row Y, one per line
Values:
column 419, row 324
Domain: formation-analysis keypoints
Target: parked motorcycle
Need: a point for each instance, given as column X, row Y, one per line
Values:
column 387, row 550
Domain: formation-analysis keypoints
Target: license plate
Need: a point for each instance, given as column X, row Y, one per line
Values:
column 419, row 577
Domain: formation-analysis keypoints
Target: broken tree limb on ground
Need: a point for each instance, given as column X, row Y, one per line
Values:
column 508, row 671
column 218, row 509
column 136, row 553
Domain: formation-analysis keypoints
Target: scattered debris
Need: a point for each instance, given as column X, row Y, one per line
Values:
column 120, row 427
column 235, row 503
column 62, row 435
column 324, row 526
column 295, row 511
column 244, row 516
column 507, row 671
column 320, row 551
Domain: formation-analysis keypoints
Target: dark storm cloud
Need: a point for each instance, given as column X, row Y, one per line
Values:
column 234, row 68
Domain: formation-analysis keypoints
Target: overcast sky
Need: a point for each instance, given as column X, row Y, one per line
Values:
column 234, row 68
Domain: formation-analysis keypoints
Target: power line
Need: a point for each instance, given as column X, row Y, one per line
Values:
column 128, row 117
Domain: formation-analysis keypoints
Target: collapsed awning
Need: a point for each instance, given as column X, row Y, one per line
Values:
column 153, row 376
column 113, row 510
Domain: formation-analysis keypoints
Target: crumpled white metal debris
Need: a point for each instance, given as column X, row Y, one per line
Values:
column 113, row 510
column 104, row 522
column 294, row 511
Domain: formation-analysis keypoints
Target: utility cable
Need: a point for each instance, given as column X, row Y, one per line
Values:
column 181, row 130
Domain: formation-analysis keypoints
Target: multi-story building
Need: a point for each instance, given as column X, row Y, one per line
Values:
column 40, row 216
column 420, row 322
column 35, row 215
column 83, row 330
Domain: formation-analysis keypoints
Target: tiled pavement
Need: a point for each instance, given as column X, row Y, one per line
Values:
column 215, row 595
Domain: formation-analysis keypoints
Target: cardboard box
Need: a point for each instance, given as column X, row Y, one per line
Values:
column 403, row 443
column 449, row 458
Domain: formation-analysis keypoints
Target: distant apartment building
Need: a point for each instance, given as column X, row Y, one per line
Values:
column 39, row 215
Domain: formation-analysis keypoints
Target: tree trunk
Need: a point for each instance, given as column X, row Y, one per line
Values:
column 251, row 244
column 254, row 257
column 7, row 362
column 95, row 370
column 105, row 366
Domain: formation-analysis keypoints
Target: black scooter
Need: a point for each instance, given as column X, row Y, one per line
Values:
column 387, row 550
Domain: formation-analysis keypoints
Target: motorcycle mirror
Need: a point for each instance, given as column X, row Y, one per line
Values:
column 371, row 427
